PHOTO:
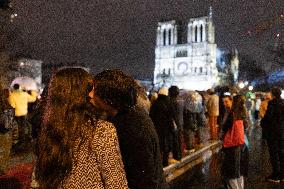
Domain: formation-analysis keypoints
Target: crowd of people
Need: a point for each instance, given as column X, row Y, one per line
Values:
column 103, row 131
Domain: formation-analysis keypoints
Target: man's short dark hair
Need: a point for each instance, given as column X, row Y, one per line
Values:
column 276, row 92
column 229, row 97
column 16, row 86
column 173, row 91
column 116, row 88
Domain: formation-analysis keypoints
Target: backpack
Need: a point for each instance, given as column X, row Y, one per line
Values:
column 7, row 121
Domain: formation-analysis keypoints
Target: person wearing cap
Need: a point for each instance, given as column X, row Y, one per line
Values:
column 162, row 115
column 273, row 121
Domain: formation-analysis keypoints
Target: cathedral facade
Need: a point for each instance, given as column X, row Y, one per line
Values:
column 190, row 65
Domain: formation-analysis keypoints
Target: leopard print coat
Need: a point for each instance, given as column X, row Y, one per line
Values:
column 97, row 161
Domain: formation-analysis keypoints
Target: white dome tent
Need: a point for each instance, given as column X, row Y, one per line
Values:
column 26, row 83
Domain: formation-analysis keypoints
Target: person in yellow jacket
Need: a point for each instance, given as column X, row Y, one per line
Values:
column 263, row 105
column 19, row 100
column 262, row 110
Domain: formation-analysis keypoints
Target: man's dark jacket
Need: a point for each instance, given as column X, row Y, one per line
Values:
column 273, row 120
column 140, row 149
column 162, row 115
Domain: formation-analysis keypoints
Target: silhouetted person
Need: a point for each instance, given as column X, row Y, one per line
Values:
column 273, row 124
column 116, row 93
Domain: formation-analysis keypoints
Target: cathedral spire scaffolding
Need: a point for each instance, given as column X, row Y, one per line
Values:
column 210, row 12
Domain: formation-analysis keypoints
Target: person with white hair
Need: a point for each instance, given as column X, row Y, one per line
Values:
column 162, row 115
column 153, row 97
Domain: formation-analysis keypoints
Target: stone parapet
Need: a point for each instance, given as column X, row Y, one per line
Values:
column 173, row 171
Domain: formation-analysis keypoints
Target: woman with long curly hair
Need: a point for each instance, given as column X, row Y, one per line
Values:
column 76, row 150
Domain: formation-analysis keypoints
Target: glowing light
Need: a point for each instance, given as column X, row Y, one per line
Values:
column 246, row 83
column 227, row 94
column 14, row 15
column 278, row 35
column 241, row 85
column 250, row 88
column 22, row 63
column 282, row 94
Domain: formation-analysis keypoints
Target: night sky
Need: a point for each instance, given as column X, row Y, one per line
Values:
column 121, row 33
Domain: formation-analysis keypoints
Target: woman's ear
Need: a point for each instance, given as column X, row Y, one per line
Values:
column 91, row 93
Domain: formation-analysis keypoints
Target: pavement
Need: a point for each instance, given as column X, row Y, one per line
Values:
column 19, row 171
column 207, row 174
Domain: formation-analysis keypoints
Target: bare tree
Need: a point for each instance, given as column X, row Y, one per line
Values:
column 249, row 70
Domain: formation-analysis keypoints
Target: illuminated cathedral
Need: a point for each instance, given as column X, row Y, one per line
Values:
column 190, row 65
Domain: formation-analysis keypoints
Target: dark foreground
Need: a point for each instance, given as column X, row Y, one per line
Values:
column 203, row 176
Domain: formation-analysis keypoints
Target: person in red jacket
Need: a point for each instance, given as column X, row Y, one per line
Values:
column 233, row 168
